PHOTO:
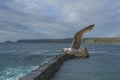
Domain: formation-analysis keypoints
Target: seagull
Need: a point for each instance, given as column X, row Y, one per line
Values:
column 78, row 36
column 77, row 40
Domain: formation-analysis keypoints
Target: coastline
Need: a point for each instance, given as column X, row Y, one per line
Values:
column 105, row 40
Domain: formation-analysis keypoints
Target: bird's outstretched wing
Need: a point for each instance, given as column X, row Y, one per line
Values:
column 78, row 36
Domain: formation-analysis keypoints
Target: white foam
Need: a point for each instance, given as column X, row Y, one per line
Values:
column 16, row 73
column 16, row 77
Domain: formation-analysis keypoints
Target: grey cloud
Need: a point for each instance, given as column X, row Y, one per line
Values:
column 58, row 18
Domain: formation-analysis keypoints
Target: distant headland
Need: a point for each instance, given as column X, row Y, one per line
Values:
column 69, row 40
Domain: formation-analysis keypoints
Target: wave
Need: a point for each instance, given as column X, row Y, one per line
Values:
column 16, row 73
column 94, row 52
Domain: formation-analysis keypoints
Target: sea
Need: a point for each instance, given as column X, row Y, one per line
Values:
column 19, row 59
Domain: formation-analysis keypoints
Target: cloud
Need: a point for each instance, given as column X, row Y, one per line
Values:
column 22, row 19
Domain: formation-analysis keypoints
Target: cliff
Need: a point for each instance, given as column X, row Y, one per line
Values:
column 101, row 41
column 69, row 40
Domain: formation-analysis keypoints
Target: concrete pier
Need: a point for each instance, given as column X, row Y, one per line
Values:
column 47, row 70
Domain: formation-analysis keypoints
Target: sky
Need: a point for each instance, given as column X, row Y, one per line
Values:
column 50, row 19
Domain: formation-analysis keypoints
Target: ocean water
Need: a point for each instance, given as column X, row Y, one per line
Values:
column 18, row 59
column 103, row 64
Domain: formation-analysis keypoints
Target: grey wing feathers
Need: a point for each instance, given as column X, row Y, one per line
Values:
column 78, row 36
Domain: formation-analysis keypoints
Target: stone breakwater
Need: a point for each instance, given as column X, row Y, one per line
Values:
column 47, row 70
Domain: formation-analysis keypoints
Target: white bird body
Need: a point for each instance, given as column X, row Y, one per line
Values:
column 75, row 49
